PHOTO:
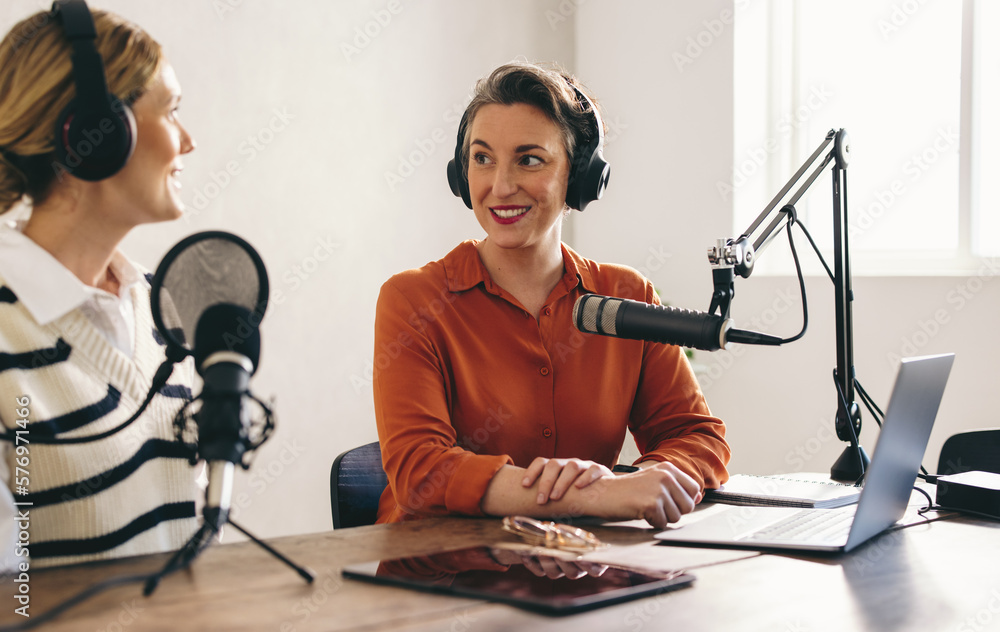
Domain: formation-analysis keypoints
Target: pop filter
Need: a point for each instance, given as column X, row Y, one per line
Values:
column 203, row 270
column 206, row 269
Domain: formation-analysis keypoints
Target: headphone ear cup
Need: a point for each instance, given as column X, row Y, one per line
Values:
column 600, row 174
column 94, row 144
column 588, row 178
column 458, row 183
column 590, row 172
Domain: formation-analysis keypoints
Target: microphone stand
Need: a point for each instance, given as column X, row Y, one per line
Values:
column 730, row 257
column 184, row 556
column 222, row 445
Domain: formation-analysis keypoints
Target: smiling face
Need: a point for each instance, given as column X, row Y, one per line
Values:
column 147, row 189
column 518, row 173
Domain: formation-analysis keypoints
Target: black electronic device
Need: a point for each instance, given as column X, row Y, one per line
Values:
column 96, row 133
column 972, row 492
column 470, row 573
column 589, row 172
column 635, row 320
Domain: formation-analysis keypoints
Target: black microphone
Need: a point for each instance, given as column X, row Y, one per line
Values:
column 226, row 352
column 212, row 288
column 634, row 320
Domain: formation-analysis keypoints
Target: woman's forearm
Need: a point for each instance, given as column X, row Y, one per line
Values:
column 660, row 494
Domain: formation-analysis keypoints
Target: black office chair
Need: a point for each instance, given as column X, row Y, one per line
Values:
column 357, row 481
column 972, row 450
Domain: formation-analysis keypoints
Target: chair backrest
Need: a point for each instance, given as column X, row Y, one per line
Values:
column 357, row 481
column 973, row 450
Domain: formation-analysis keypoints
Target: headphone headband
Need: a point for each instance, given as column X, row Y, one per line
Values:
column 589, row 172
column 75, row 18
column 95, row 135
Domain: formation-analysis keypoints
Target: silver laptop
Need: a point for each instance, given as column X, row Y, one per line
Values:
column 889, row 480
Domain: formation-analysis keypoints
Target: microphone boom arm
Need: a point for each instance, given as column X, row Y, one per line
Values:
column 731, row 257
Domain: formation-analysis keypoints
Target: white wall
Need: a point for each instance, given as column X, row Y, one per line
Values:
column 319, row 178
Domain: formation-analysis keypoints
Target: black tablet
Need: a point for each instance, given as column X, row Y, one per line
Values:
column 505, row 576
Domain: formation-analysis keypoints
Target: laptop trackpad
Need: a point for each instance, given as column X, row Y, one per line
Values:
column 724, row 523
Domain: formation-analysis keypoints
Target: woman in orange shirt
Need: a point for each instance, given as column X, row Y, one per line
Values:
column 488, row 400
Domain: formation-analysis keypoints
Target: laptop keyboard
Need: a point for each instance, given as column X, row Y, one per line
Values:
column 813, row 525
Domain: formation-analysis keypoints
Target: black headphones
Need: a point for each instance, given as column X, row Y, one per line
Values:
column 589, row 172
column 95, row 135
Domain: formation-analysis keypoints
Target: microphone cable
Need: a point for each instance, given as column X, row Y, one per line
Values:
column 182, row 558
column 85, row 594
column 855, row 442
column 163, row 373
column 869, row 402
column 793, row 221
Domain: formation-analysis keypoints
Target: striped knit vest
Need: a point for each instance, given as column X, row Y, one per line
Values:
column 128, row 494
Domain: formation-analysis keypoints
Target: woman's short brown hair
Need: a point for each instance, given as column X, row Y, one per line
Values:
column 549, row 88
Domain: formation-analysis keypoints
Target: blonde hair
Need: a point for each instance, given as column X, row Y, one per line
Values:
column 36, row 85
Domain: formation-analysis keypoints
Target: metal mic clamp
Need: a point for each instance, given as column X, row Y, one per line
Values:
column 737, row 254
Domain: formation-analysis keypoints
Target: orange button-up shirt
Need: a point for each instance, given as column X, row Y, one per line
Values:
column 466, row 381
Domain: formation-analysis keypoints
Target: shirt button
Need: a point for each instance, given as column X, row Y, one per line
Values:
column 546, row 432
column 544, row 370
column 548, row 311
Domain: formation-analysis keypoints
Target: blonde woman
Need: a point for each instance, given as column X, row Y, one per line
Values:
column 77, row 344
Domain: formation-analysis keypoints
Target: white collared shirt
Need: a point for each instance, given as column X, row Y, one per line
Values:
column 48, row 290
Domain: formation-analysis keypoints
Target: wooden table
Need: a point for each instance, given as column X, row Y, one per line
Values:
column 939, row 576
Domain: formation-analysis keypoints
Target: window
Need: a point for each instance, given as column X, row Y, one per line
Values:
column 986, row 128
column 911, row 83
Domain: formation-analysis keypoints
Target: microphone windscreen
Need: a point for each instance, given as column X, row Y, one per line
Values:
column 227, row 327
column 635, row 320
column 596, row 314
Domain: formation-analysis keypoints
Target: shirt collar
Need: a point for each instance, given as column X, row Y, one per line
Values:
column 46, row 288
column 465, row 270
column 578, row 268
